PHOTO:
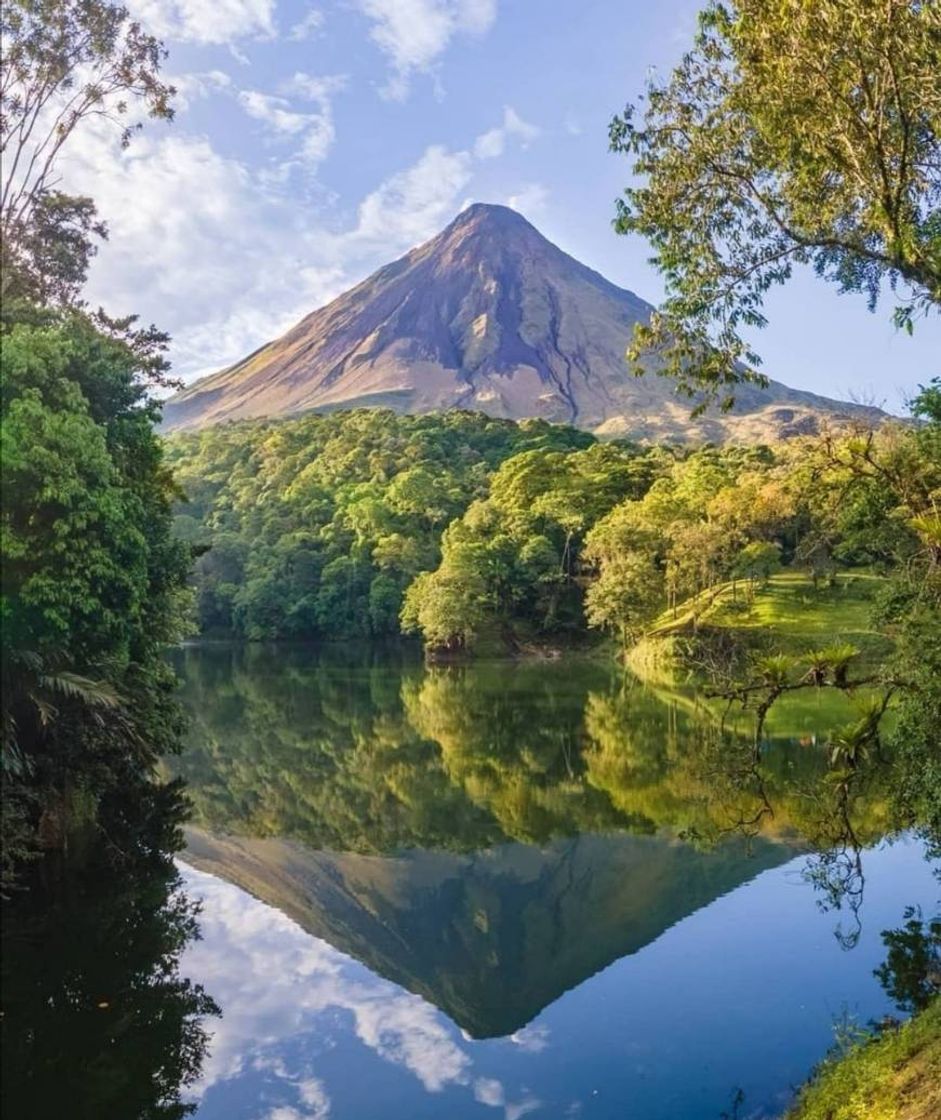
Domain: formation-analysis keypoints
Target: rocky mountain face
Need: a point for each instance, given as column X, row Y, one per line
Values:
column 491, row 316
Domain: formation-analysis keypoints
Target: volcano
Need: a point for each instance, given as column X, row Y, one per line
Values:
column 488, row 315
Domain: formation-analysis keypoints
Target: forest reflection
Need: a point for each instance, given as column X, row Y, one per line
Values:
column 379, row 753
column 489, row 835
column 485, row 836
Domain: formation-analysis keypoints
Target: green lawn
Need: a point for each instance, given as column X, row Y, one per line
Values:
column 788, row 615
column 789, row 609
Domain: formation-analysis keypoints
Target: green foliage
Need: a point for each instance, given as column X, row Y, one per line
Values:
column 93, row 582
column 477, row 532
column 626, row 595
column 513, row 560
column 64, row 62
column 829, row 665
column 894, row 1076
column 758, row 561
column 360, row 748
column 317, row 526
column 790, row 134
column 911, row 973
column 98, row 1021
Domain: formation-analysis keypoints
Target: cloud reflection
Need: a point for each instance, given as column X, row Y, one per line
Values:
column 276, row 983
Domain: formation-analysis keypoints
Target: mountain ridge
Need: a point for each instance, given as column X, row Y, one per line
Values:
column 488, row 315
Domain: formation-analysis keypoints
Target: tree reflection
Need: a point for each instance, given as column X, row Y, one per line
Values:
column 911, row 972
column 505, row 794
column 97, row 1021
column 386, row 756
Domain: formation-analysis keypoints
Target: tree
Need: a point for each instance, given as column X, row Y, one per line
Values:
column 65, row 62
column 93, row 583
column 757, row 562
column 446, row 606
column 911, row 972
column 628, row 591
column 627, row 595
column 791, row 133
column 98, row 1020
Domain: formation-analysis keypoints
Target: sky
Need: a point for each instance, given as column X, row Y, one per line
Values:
column 313, row 143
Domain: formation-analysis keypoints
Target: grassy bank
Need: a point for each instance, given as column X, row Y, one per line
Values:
column 896, row 1076
column 787, row 614
column 788, row 607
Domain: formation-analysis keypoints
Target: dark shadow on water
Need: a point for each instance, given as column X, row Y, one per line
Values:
column 98, row 1023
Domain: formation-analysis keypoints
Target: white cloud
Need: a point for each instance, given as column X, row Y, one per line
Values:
column 203, row 269
column 315, row 130
column 198, row 86
column 201, row 21
column 491, row 144
column 488, row 1091
column 412, row 205
column 529, row 199
column 241, row 261
column 272, row 980
column 532, row 1039
column 239, row 55
column 313, row 87
column 308, row 27
column 256, row 246
column 314, row 1098
column 275, row 111
column 521, row 1108
column 277, row 984
column 415, row 33
column 310, row 1093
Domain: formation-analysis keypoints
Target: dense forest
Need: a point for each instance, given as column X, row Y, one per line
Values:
column 468, row 529
column 94, row 582
column 468, row 757
column 317, row 527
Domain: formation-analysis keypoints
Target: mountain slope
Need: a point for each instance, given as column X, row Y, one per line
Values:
column 488, row 315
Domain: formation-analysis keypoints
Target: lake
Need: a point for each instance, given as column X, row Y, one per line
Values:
column 496, row 890
column 514, row 889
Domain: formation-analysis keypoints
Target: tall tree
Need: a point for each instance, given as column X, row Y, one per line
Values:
column 791, row 134
column 66, row 62
column 93, row 582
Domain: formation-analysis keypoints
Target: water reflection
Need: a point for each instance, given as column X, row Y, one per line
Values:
column 98, row 1020
column 293, row 1002
column 742, row 993
column 492, row 937
column 479, row 892
column 492, row 837
column 378, row 757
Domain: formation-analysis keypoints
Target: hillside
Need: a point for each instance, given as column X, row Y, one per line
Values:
column 489, row 315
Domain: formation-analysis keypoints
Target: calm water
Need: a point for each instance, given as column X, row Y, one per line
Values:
column 496, row 891
column 510, row 890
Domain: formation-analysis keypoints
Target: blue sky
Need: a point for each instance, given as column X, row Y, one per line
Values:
column 315, row 142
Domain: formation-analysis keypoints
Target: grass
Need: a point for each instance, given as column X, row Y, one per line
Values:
column 788, row 615
column 896, row 1076
column 790, row 607
column 788, row 612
